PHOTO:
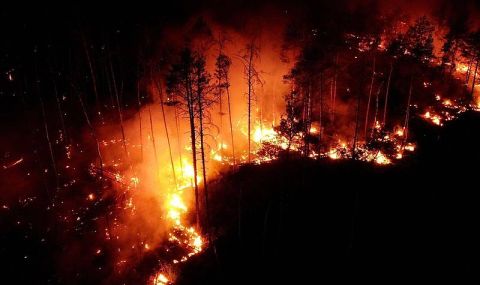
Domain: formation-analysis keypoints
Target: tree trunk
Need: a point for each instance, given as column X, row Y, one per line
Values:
column 119, row 108
column 191, row 116
column 469, row 70
column 140, row 118
column 474, row 78
column 153, row 142
column 407, row 111
column 335, row 89
column 387, row 91
column 321, row 115
column 367, row 113
column 94, row 78
column 307, row 120
column 250, row 77
column 200, row 98
column 376, row 108
column 220, row 111
column 99, row 154
column 50, row 147
column 357, row 122
column 160, row 93
column 231, row 124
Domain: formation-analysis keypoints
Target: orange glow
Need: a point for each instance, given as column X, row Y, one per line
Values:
column 333, row 154
column 262, row 133
column 382, row 159
column 160, row 279
column 433, row 118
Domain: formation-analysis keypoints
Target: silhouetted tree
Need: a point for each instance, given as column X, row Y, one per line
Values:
column 290, row 124
column 416, row 42
column 473, row 48
column 180, row 82
column 222, row 69
column 250, row 54
column 190, row 80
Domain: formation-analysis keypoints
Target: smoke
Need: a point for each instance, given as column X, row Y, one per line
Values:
column 140, row 226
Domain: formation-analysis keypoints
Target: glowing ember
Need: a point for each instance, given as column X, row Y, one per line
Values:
column 382, row 159
column 447, row 102
column 333, row 154
column 433, row 118
column 160, row 279
column 410, row 147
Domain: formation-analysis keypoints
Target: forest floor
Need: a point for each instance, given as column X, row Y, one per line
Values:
column 297, row 221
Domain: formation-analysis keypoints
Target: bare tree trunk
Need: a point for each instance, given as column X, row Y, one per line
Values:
column 119, row 109
column 474, row 78
column 140, row 118
column 331, row 100
column 204, row 169
column 45, row 125
column 407, row 112
column 160, row 93
column 308, row 119
column 469, row 70
column 357, row 123
column 250, row 82
column 367, row 113
column 200, row 96
column 92, row 132
column 274, row 100
column 376, row 108
column 386, row 95
column 191, row 116
column 153, row 141
column 99, row 154
column 94, row 78
column 231, row 126
column 220, row 111
column 50, row 147
column 335, row 89
column 321, row 114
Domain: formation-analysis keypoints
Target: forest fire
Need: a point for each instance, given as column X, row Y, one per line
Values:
column 160, row 279
column 446, row 110
column 118, row 135
column 435, row 119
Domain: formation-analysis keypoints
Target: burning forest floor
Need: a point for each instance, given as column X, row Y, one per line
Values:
column 291, row 221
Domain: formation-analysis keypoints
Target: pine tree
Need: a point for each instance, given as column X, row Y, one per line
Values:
column 222, row 69
column 251, row 53
column 191, row 82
